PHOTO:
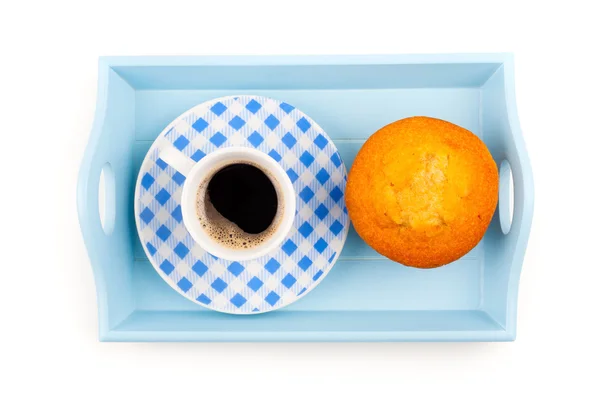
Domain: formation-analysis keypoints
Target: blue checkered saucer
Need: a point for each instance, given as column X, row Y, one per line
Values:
column 314, row 243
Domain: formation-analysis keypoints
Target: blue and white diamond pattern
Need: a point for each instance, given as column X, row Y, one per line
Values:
column 314, row 166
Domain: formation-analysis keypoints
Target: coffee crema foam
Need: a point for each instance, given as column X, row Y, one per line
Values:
column 226, row 232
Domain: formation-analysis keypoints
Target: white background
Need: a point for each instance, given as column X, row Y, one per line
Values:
column 48, row 72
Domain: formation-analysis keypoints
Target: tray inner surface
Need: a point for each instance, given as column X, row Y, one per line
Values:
column 361, row 279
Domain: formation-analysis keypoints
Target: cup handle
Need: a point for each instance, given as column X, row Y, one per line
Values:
column 176, row 159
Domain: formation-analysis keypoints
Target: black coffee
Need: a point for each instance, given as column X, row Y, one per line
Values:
column 238, row 205
column 244, row 195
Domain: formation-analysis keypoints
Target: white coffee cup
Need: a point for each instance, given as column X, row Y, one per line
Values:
column 197, row 173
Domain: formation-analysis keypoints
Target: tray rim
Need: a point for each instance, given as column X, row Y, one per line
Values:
column 311, row 59
column 108, row 63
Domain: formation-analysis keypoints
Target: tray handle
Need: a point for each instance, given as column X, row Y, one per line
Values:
column 108, row 248
column 518, row 236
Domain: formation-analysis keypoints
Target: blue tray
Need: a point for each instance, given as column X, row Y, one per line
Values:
column 365, row 297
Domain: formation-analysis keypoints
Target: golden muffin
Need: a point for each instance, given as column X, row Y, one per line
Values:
column 422, row 191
